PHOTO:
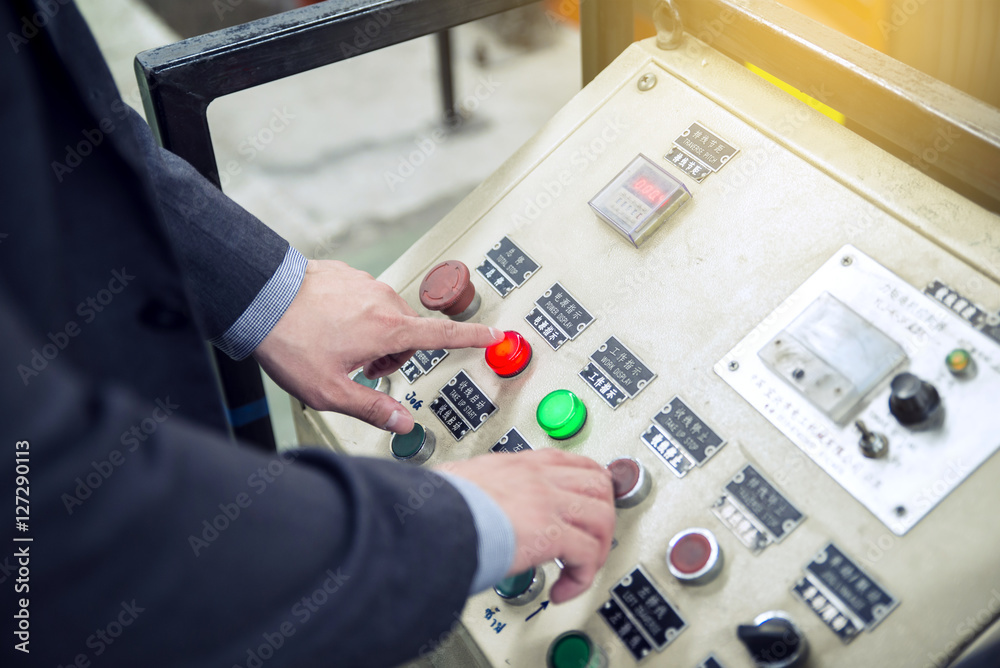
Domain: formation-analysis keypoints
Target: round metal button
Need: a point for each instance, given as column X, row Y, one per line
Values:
column 694, row 557
column 630, row 481
column 522, row 588
column 415, row 447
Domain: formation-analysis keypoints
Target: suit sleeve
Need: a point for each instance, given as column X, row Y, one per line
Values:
column 241, row 274
column 158, row 543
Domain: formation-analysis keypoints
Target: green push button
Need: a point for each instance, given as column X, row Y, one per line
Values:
column 573, row 649
column 515, row 585
column 561, row 414
column 377, row 384
column 415, row 447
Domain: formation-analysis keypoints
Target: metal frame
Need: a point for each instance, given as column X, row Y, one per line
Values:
column 952, row 136
column 179, row 81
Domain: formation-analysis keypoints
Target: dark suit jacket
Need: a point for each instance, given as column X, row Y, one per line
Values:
column 156, row 541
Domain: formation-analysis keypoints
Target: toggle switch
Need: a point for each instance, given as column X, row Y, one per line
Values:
column 415, row 447
column 509, row 357
column 694, row 557
column 522, row 588
column 561, row 414
column 448, row 288
column 630, row 481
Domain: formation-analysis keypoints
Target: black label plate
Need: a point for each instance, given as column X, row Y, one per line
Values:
column 687, row 164
column 496, row 278
column 972, row 313
column 468, row 400
column 428, row 359
column 622, row 366
column 512, row 261
column 625, row 629
column 707, row 147
column 767, row 505
column 410, row 371
column 512, row 441
column 688, row 430
column 852, row 587
column 600, row 383
column 449, row 418
column 563, row 309
column 669, row 453
column 650, row 610
column 710, row 662
column 551, row 334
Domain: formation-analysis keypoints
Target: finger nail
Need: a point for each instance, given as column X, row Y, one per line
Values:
column 497, row 334
column 400, row 422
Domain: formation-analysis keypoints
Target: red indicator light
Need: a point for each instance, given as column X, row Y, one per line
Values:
column 510, row 356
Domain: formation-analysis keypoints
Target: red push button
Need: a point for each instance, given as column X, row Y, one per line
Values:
column 630, row 481
column 509, row 357
column 448, row 288
column 693, row 556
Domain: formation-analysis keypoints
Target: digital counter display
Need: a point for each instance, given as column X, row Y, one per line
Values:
column 639, row 199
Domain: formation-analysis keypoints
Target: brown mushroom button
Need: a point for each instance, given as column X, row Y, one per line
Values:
column 447, row 288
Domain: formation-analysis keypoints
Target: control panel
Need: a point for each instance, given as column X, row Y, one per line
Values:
column 782, row 342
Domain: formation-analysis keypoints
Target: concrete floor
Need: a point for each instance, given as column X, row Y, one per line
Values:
column 352, row 161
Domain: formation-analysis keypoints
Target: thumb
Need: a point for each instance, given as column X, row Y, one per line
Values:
column 376, row 408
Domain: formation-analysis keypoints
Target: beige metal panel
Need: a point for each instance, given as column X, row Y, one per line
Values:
column 800, row 189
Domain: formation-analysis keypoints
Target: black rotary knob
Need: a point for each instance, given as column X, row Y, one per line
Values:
column 774, row 641
column 915, row 403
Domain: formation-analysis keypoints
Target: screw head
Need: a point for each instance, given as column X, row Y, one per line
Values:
column 847, row 260
column 646, row 82
column 734, row 365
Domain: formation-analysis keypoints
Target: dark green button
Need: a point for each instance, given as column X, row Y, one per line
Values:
column 572, row 649
column 561, row 414
column 515, row 585
column 405, row 446
column 361, row 379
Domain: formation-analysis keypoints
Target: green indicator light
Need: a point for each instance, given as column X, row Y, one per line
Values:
column 960, row 363
column 405, row 446
column 572, row 649
column 561, row 414
column 515, row 585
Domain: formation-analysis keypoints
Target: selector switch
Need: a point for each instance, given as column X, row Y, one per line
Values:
column 522, row 588
column 694, row 557
column 561, row 414
column 915, row 403
column 448, row 288
column 774, row 640
column 630, row 481
column 509, row 357
column 415, row 447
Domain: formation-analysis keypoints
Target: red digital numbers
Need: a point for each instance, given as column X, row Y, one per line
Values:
column 648, row 190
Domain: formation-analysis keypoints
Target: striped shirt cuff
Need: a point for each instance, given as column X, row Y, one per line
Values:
column 496, row 535
column 256, row 322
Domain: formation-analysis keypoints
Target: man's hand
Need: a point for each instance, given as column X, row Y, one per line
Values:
column 342, row 319
column 560, row 505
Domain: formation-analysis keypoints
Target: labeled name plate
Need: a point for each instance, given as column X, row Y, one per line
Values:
column 755, row 511
column 683, row 426
column 842, row 594
column 449, row 418
column 558, row 310
column 470, row 402
column 512, row 441
column 421, row 363
column 648, row 609
column 600, row 383
column 622, row 366
column 626, row 630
